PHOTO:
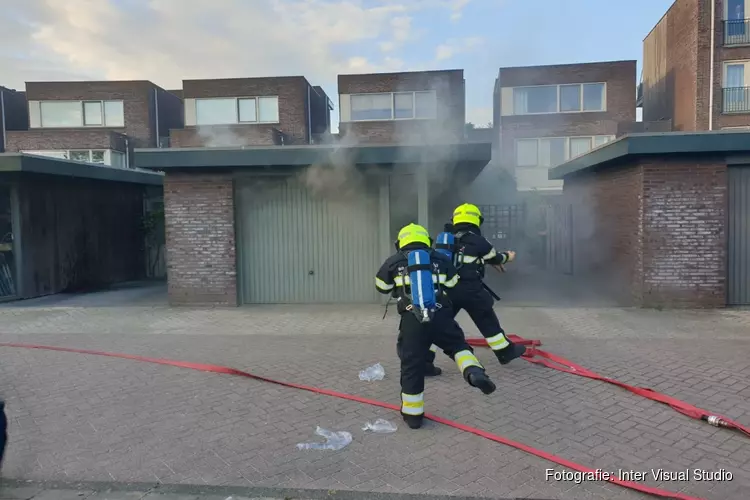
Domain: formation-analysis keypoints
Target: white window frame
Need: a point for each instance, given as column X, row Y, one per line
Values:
column 82, row 103
column 393, row 105
column 558, row 86
column 237, row 110
column 738, row 62
column 567, row 139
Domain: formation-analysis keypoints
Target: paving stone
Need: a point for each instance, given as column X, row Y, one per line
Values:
column 79, row 417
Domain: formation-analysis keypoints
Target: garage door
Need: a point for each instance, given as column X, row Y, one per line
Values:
column 295, row 247
column 738, row 279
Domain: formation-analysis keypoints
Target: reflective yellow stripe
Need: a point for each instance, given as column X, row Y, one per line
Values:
column 412, row 404
column 383, row 285
column 407, row 280
column 451, row 282
column 490, row 255
column 498, row 342
column 469, row 259
column 465, row 359
column 433, row 348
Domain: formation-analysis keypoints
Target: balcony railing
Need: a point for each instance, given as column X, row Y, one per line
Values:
column 736, row 100
column 737, row 32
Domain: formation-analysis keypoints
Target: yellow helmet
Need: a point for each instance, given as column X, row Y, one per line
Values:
column 467, row 214
column 413, row 233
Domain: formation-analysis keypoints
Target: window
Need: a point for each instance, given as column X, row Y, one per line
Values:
column 568, row 98
column 425, row 105
column 403, row 105
column 61, row 114
column 100, row 156
column 67, row 114
column 393, row 106
column 233, row 110
column 532, row 100
column 527, row 152
column 593, row 97
column 371, row 107
column 92, row 113
column 735, row 89
column 552, row 151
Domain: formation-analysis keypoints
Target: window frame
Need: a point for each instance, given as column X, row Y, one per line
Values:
column 82, row 103
column 393, row 105
column 567, row 139
column 237, row 100
column 734, row 62
column 558, row 87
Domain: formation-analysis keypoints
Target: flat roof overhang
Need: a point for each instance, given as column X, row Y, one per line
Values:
column 471, row 158
column 21, row 163
column 733, row 146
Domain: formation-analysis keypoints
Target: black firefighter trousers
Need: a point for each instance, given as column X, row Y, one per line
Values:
column 414, row 340
column 478, row 303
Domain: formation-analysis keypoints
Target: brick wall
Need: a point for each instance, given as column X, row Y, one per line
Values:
column 656, row 227
column 607, row 229
column 199, row 214
column 292, row 94
column 137, row 97
column 451, row 101
column 682, row 89
column 40, row 139
column 224, row 136
column 620, row 77
column 684, row 221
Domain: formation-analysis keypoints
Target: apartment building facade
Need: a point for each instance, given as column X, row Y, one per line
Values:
column 546, row 115
column 696, row 66
column 95, row 122
column 403, row 108
column 252, row 111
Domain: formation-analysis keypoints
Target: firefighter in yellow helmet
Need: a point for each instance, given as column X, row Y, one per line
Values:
column 471, row 252
column 417, row 276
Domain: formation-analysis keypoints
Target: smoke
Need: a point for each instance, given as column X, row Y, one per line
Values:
column 220, row 136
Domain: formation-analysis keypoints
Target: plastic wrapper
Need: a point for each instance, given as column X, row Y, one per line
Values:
column 335, row 440
column 372, row 373
column 380, row 426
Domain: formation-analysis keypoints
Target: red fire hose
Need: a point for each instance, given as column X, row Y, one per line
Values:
column 487, row 435
column 561, row 364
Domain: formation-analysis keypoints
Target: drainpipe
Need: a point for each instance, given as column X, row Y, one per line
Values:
column 156, row 113
column 127, row 152
column 711, row 69
column 2, row 118
column 309, row 116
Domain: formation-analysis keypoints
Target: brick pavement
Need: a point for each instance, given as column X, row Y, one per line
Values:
column 76, row 417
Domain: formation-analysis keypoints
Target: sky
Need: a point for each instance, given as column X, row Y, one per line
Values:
column 166, row 41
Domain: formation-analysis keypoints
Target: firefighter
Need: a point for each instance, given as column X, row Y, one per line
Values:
column 417, row 276
column 471, row 253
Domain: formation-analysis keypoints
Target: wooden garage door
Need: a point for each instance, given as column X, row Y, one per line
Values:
column 738, row 268
column 295, row 247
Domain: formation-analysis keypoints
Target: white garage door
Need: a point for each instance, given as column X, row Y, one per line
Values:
column 296, row 247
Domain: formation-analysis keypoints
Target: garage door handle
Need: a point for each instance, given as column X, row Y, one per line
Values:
column 310, row 272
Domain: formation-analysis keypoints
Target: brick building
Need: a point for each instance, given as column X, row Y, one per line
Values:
column 696, row 66
column 545, row 115
column 97, row 122
column 237, row 217
column 409, row 107
column 665, row 217
column 252, row 111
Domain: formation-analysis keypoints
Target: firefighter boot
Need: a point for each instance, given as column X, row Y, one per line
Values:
column 476, row 377
column 413, row 421
column 510, row 353
column 430, row 370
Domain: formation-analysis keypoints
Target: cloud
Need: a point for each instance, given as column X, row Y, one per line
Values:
column 167, row 41
column 457, row 9
column 452, row 47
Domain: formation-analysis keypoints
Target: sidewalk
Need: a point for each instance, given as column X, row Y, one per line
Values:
column 23, row 490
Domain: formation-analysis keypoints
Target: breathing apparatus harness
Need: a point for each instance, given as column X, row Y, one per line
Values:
column 420, row 288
